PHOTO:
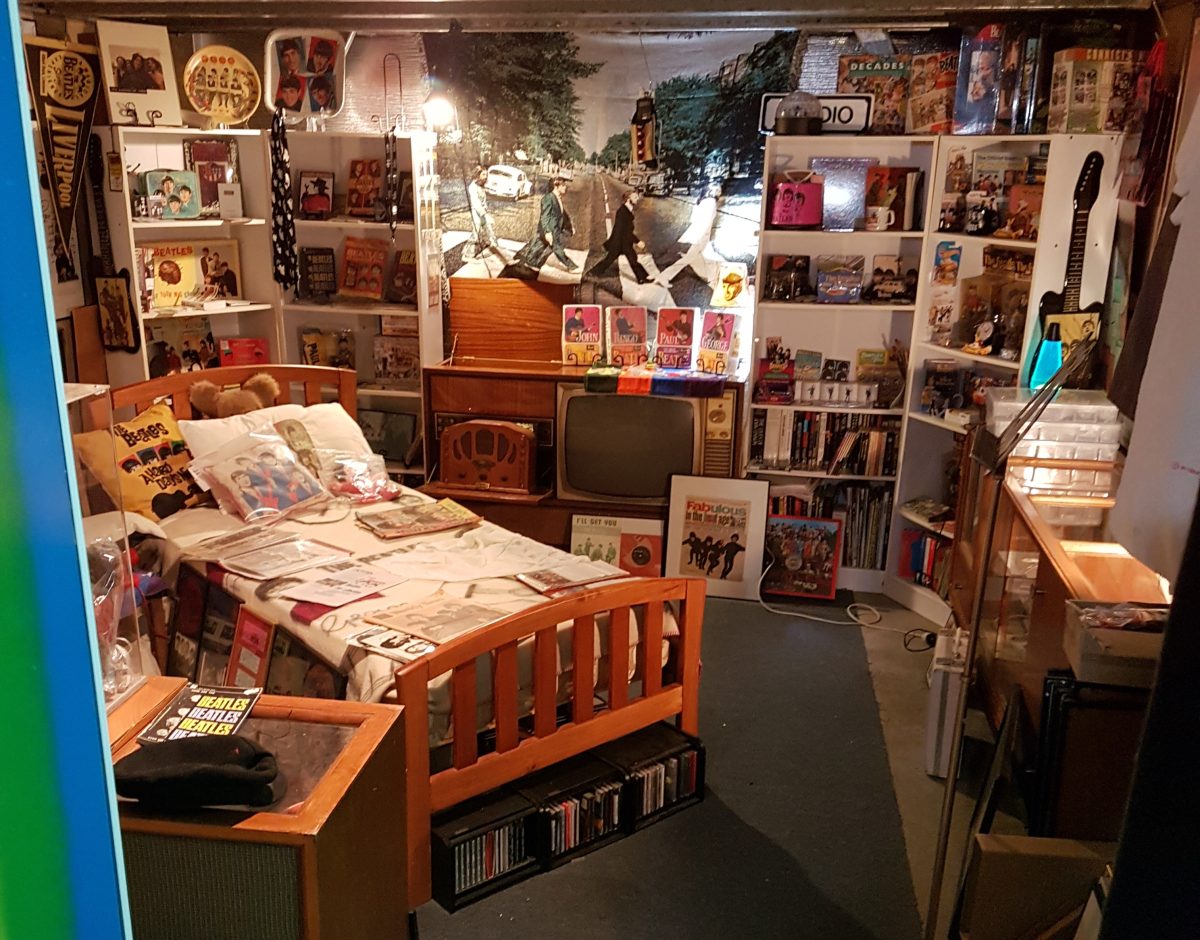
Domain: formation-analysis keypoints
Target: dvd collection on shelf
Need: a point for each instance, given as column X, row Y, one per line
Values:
column 853, row 443
column 585, row 818
column 665, row 782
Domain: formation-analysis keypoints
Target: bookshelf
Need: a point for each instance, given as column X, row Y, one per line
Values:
column 837, row 330
column 267, row 311
column 148, row 148
column 927, row 441
column 930, row 441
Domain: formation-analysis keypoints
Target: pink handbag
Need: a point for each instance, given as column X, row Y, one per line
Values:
column 797, row 201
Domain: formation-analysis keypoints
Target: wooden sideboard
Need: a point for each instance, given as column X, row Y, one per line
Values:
column 529, row 392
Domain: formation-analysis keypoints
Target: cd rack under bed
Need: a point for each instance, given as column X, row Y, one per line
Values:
column 559, row 814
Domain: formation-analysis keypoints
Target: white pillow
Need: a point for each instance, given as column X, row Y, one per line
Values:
column 332, row 429
column 327, row 424
column 208, row 434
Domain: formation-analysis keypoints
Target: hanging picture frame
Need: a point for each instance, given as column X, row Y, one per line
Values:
column 715, row 530
column 139, row 74
column 304, row 71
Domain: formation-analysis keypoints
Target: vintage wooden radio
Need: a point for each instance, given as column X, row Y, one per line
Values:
column 488, row 455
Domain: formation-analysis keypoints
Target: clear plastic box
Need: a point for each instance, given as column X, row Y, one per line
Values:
column 1075, row 432
column 1071, row 405
column 1065, row 450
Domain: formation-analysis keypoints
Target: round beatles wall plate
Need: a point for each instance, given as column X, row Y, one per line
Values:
column 222, row 85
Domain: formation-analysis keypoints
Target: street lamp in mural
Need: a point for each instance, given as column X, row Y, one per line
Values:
column 641, row 133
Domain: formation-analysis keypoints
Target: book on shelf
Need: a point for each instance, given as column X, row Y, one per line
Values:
column 932, row 82
column 856, row 443
column 402, row 285
column 569, row 574
column 419, row 519
column 363, row 264
column 863, row 509
column 243, row 351
column 582, row 334
column 924, row 560
column 625, row 329
column 327, row 348
column 200, row 710
column 885, row 79
column 318, row 274
column 674, row 335
column 716, row 340
column 398, row 362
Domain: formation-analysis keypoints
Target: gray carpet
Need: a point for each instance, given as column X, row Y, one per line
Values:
column 799, row 835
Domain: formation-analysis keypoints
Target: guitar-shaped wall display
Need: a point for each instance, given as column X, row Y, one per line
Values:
column 119, row 328
column 1076, row 323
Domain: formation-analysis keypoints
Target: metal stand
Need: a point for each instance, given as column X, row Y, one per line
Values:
column 991, row 452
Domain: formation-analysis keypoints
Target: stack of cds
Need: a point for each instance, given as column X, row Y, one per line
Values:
column 489, row 855
column 584, row 818
column 664, row 782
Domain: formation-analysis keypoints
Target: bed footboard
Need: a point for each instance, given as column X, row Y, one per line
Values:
column 519, row 752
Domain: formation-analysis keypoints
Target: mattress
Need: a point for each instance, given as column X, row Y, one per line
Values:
column 475, row 564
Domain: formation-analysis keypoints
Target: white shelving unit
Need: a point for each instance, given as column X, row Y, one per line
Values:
column 151, row 148
column 838, row 331
column 271, row 313
column 930, row 441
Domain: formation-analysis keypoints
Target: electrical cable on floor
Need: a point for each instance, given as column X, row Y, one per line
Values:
column 870, row 617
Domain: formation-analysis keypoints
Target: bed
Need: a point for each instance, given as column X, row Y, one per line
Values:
column 548, row 680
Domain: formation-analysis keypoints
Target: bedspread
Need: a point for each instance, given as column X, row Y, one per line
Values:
column 476, row 564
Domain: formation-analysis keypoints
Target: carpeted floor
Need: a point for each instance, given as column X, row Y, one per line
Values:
column 799, row 835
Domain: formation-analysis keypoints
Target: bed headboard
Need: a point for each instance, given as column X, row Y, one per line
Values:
column 315, row 382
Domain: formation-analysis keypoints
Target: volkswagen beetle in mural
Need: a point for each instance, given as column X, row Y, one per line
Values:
column 507, row 182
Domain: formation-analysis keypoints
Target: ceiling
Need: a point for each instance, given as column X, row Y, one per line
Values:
column 406, row 15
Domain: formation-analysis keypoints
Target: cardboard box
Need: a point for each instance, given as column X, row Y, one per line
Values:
column 1111, row 657
column 1017, row 883
column 1093, row 90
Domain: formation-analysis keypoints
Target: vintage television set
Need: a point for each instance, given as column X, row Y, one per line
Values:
column 624, row 448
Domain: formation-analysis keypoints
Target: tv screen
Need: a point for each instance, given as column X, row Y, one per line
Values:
column 626, row 445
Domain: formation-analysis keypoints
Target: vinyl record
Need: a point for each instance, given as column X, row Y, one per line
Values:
column 222, row 84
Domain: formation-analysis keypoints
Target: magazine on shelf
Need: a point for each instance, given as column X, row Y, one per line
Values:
column 438, row 619
column 199, row 710
column 340, row 583
column 421, row 519
column 402, row 647
column 570, row 574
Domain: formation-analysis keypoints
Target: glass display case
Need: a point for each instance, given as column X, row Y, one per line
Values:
column 125, row 655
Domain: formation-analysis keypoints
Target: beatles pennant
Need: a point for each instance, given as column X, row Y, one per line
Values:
column 64, row 82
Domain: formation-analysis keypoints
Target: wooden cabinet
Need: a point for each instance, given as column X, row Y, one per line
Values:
column 531, row 393
column 328, row 860
column 1078, row 740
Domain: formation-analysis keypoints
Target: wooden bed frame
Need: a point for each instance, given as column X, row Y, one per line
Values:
column 543, row 741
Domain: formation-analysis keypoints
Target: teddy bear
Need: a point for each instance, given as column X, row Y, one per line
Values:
column 212, row 401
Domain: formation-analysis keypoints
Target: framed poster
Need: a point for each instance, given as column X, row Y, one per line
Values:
column 804, row 555
column 304, row 72
column 139, row 74
column 715, row 531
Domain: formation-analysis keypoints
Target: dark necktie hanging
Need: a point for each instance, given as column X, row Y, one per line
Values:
column 283, row 222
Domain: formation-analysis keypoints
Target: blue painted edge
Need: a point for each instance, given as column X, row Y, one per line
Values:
column 35, row 392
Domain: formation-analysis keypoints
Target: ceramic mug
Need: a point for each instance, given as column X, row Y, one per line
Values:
column 880, row 218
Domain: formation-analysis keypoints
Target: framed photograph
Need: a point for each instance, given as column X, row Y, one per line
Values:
column 304, row 71
column 315, row 194
column 804, row 555
column 716, row 530
column 214, row 162
column 139, row 74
